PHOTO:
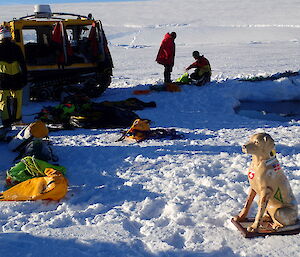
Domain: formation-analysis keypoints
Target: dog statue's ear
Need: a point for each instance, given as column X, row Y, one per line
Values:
column 265, row 138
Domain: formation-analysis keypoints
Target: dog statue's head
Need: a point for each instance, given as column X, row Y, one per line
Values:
column 261, row 144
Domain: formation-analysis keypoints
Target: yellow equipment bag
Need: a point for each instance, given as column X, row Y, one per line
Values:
column 139, row 130
column 52, row 187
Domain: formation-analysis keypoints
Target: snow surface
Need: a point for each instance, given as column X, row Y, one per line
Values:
column 168, row 197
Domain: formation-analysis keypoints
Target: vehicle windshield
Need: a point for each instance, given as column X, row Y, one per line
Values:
column 41, row 49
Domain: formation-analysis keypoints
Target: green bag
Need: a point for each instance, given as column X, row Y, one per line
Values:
column 184, row 79
column 29, row 167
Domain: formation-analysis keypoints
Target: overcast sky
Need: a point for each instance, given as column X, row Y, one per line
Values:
column 5, row 2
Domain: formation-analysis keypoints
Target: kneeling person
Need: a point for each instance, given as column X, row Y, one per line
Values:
column 202, row 72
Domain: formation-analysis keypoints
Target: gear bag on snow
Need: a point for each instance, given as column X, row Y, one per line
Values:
column 29, row 167
column 170, row 87
column 52, row 186
column 100, row 116
column 187, row 79
column 86, row 114
column 140, row 130
column 36, row 129
column 59, row 114
column 184, row 79
column 32, row 141
column 39, row 148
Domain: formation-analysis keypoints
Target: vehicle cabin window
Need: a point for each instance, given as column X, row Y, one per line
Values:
column 38, row 45
column 29, row 36
column 78, row 39
column 40, row 50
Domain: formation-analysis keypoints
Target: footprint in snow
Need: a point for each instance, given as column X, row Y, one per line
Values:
column 152, row 208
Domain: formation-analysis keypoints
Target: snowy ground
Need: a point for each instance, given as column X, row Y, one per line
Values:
column 162, row 197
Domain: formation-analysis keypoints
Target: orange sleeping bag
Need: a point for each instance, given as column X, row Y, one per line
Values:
column 52, row 187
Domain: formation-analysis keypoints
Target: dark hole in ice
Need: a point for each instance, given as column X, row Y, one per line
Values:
column 270, row 110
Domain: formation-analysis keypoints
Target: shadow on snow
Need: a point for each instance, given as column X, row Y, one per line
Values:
column 23, row 244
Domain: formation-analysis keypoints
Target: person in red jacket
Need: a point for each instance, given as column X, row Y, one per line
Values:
column 202, row 67
column 166, row 55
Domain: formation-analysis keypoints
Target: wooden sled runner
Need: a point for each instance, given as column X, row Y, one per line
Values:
column 265, row 229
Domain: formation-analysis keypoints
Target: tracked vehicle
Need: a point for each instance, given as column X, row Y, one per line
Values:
column 62, row 49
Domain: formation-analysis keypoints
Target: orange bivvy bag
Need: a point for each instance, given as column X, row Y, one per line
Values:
column 53, row 186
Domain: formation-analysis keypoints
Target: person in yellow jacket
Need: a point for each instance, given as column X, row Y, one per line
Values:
column 13, row 77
